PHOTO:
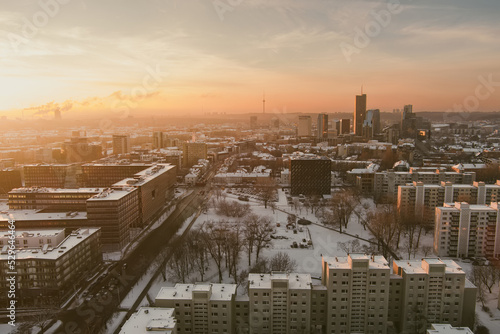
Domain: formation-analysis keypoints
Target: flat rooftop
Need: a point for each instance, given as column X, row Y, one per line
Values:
column 150, row 319
column 49, row 253
column 218, row 292
column 295, row 281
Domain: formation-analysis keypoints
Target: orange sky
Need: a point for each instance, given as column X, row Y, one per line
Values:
column 170, row 57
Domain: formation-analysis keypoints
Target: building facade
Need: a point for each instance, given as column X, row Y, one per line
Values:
column 466, row 230
column 304, row 128
column 192, row 152
column 48, row 263
column 310, row 175
column 121, row 144
column 107, row 174
column 359, row 114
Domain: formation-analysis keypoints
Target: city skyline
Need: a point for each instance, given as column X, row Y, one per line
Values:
column 163, row 58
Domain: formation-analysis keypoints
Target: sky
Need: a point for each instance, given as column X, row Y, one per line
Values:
column 185, row 57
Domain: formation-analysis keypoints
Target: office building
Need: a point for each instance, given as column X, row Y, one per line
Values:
column 359, row 114
column 151, row 319
column 466, row 230
column 158, row 140
column 10, row 178
column 50, row 175
column 78, row 149
column 322, row 126
column 51, row 199
column 192, row 152
column 304, row 128
column 108, row 173
column 121, row 144
column 428, row 291
column 48, row 264
column 371, row 124
column 420, row 200
column 155, row 187
column 310, row 175
column 114, row 211
column 345, row 126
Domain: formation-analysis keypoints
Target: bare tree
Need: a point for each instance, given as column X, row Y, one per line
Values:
column 180, row 261
column 216, row 235
column 262, row 235
column 385, row 226
column 351, row 246
column 233, row 250
column 485, row 275
column 249, row 232
column 266, row 190
column 342, row 205
column 198, row 249
column 282, row 262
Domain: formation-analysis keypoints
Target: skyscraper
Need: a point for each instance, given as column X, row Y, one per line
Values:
column 304, row 127
column 158, row 140
column 121, row 144
column 359, row 114
column 322, row 126
column 345, row 126
column 371, row 124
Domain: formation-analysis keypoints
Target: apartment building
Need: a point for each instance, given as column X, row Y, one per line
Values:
column 421, row 199
column 151, row 319
column 201, row 308
column 121, row 144
column 48, row 263
column 310, row 175
column 357, row 293
column 466, row 230
column 430, row 291
column 279, row 303
column 448, row 329
column 385, row 184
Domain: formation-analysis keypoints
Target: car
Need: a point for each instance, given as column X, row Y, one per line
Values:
column 278, row 224
column 294, row 231
column 304, row 222
column 294, row 244
column 304, row 240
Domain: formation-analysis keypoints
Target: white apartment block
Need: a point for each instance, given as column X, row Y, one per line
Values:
column 430, row 291
column 279, row 303
column 357, row 293
column 385, row 184
column 448, row 329
column 201, row 308
column 151, row 319
column 421, row 199
column 465, row 230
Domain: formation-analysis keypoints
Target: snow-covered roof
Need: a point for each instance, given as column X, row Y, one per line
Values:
column 147, row 319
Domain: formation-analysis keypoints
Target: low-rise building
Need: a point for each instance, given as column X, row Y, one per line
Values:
column 48, row 263
column 151, row 319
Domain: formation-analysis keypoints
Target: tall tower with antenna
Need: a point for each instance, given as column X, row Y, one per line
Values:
column 264, row 102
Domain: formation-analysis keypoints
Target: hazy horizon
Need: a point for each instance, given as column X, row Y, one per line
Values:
column 165, row 58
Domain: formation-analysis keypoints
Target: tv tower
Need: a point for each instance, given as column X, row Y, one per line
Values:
column 264, row 103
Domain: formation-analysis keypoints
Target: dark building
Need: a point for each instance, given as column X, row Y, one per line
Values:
column 345, row 126
column 114, row 211
column 155, row 187
column 9, row 179
column 322, row 126
column 192, row 152
column 359, row 114
column 77, row 149
column 121, row 144
column 50, row 175
column 107, row 174
column 310, row 175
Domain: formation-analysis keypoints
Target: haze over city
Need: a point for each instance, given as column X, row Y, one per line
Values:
column 215, row 56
